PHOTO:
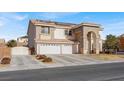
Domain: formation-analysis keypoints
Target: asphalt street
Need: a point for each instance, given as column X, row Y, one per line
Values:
column 99, row 72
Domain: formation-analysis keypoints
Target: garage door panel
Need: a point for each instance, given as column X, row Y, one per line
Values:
column 66, row 49
column 50, row 49
column 55, row 49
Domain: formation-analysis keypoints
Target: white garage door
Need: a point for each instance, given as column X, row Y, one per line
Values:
column 49, row 49
column 55, row 49
column 66, row 49
column 20, row 51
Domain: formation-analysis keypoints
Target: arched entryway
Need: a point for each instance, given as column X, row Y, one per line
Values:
column 91, row 38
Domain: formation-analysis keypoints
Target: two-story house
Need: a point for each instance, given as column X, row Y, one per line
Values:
column 49, row 37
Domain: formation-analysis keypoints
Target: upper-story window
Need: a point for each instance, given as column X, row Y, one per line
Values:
column 68, row 33
column 45, row 30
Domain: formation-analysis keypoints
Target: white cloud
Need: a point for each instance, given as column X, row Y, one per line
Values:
column 54, row 15
column 20, row 18
column 86, row 17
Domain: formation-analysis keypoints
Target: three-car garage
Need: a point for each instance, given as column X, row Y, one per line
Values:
column 54, row 48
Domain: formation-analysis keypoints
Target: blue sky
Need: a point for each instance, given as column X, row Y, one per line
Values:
column 15, row 24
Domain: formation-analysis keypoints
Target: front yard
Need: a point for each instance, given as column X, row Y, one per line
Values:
column 2, row 66
column 23, row 62
column 107, row 57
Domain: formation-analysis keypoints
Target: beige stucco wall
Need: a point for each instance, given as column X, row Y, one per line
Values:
column 81, row 36
column 51, row 35
column 78, row 34
column 59, row 33
column 41, row 36
column 95, row 30
column 45, row 36
column 100, row 45
column 31, row 35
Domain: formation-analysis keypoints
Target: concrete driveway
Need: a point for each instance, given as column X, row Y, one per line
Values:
column 22, row 63
column 77, row 59
column 26, row 62
column 73, row 59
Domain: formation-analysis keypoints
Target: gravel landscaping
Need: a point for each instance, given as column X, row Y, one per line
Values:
column 107, row 57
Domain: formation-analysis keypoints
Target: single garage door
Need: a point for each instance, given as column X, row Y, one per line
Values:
column 20, row 51
column 49, row 49
column 55, row 49
column 66, row 49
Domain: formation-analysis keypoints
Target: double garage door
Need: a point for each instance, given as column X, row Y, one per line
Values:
column 55, row 49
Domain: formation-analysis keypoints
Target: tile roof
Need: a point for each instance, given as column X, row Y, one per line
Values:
column 53, row 22
column 24, row 37
column 36, row 21
column 56, row 41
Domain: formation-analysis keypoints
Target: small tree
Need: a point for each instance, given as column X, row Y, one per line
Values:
column 12, row 43
column 111, row 43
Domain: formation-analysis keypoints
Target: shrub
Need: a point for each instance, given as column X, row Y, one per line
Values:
column 37, row 56
column 47, row 59
column 6, row 60
column 12, row 43
column 40, row 57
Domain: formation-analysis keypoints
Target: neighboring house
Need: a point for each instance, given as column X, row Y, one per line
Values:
column 121, row 42
column 49, row 37
column 22, row 41
column 2, row 42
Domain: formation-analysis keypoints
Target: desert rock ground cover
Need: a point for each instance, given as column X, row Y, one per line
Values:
column 107, row 57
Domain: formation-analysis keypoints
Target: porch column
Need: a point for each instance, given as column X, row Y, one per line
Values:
column 85, row 46
column 97, row 46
